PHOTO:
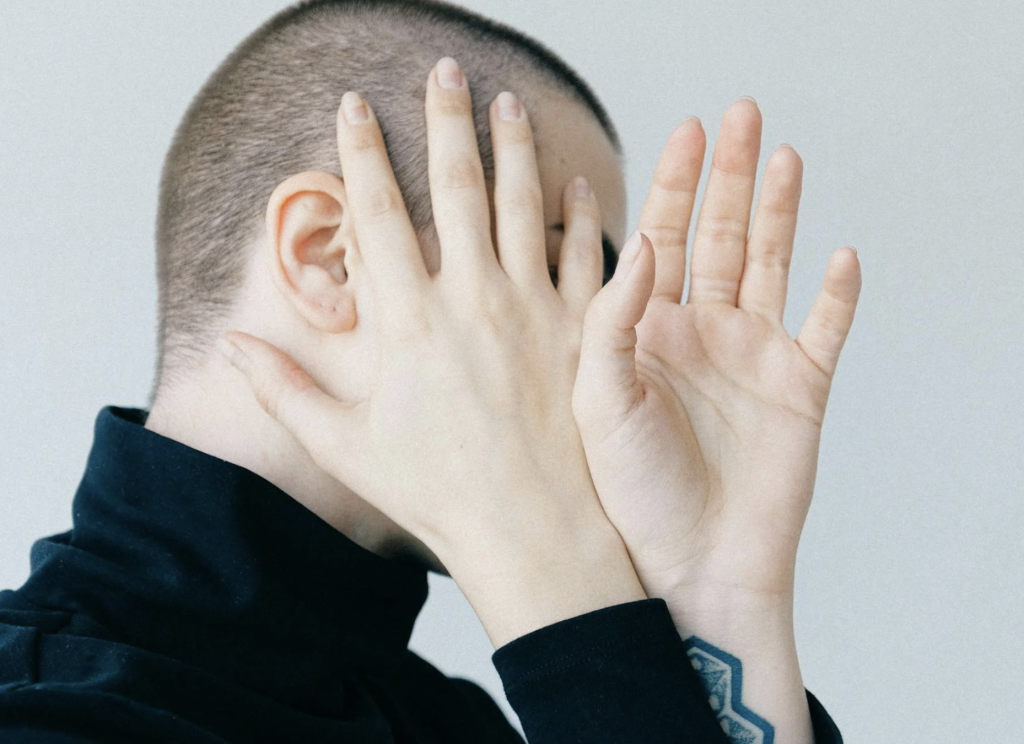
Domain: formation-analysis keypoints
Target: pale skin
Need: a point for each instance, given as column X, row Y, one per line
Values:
column 701, row 420
column 702, row 443
column 365, row 315
column 293, row 298
column 476, row 369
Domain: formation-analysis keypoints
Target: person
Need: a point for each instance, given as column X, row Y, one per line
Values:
column 433, row 377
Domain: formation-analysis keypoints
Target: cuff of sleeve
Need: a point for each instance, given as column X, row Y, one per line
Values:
column 559, row 647
column 616, row 674
column 825, row 729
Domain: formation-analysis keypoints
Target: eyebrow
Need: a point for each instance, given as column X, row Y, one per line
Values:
column 609, row 254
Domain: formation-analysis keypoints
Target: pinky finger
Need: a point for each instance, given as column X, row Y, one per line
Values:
column 580, row 262
column 826, row 328
column 291, row 397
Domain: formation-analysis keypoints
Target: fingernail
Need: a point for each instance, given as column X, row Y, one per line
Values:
column 786, row 144
column 354, row 108
column 629, row 253
column 748, row 98
column 508, row 107
column 581, row 188
column 448, row 73
column 233, row 353
column 692, row 118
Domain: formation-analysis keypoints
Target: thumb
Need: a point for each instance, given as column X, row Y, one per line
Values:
column 607, row 370
column 284, row 390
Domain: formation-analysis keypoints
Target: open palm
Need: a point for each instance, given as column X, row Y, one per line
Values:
column 701, row 421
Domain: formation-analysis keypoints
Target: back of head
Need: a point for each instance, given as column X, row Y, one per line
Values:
column 269, row 112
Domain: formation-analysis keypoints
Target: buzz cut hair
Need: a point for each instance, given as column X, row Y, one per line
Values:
column 269, row 111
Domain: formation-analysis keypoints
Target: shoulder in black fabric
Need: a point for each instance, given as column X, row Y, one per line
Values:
column 195, row 601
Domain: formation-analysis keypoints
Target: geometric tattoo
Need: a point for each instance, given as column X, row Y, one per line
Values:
column 722, row 677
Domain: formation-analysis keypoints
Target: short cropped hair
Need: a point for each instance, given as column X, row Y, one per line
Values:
column 269, row 112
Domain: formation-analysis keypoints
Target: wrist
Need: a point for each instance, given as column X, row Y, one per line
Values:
column 752, row 582
column 755, row 631
column 535, row 570
column 733, row 609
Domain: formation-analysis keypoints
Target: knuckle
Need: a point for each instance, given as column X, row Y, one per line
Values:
column 521, row 202
column 381, row 202
column 830, row 321
column 586, row 211
column 672, row 184
column 297, row 380
column 773, row 254
column 461, row 173
column 493, row 306
column 363, row 139
column 783, row 201
column 721, row 229
column 784, row 206
column 663, row 234
column 412, row 325
column 269, row 397
column 581, row 254
column 292, row 381
column 515, row 136
column 453, row 102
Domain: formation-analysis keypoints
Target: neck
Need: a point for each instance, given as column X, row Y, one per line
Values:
column 213, row 411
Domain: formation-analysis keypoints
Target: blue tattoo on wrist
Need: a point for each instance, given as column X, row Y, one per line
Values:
column 722, row 677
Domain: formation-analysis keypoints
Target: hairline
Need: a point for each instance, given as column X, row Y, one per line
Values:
column 548, row 63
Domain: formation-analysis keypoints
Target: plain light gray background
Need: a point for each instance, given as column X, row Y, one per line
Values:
column 909, row 118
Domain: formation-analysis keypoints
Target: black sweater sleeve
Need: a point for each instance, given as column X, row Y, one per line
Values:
column 615, row 675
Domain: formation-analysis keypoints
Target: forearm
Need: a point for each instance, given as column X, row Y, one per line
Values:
column 743, row 649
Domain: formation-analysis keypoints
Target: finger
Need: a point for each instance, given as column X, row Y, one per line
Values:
column 291, row 397
column 457, row 190
column 607, row 370
column 770, row 248
column 580, row 260
column 720, row 240
column 387, row 241
column 518, row 200
column 826, row 328
column 665, row 217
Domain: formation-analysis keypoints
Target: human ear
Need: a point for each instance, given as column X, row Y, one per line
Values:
column 309, row 233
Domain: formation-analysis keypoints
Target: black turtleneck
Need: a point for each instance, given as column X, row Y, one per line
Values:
column 194, row 601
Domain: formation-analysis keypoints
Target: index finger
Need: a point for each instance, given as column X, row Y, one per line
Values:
column 387, row 240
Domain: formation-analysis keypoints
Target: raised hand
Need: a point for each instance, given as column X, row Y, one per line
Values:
column 466, row 436
column 701, row 421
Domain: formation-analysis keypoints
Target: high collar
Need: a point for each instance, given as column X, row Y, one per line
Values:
column 196, row 558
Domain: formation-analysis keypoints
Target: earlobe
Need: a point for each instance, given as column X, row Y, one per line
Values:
column 309, row 234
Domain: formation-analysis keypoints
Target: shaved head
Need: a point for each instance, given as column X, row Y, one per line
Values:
column 269, row 112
